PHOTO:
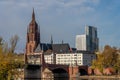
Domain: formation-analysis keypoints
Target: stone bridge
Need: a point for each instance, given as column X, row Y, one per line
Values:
column 35, row 71
column 72, row 71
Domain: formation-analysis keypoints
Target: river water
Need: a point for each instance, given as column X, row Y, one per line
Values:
column 79, row 79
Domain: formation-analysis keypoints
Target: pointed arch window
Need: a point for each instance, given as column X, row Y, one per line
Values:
column 30, row 49
column 30, row 29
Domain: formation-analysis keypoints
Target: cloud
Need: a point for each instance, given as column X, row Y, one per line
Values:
column 53, row 14
column 60, row 5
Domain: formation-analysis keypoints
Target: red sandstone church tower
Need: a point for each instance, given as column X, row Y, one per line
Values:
column 33, row 36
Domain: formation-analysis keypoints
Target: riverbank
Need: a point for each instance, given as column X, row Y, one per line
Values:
column 100, row 77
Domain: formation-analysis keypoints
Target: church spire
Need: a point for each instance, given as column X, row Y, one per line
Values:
column 33, row 35
column 51, row 40
column 33, row 15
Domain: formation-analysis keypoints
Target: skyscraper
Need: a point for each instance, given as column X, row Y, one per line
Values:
column 88, row 41
column 81, row 42
column 93, row 41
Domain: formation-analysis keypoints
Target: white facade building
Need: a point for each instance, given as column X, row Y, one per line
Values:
column 72, row 58
column 49, row 58
column 69, row 59
column 81, row 42
column 77, row 58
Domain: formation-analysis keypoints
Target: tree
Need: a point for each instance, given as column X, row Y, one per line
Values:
column 9, row 61
column 13, row 43
column 108, row 58
column 98, row 63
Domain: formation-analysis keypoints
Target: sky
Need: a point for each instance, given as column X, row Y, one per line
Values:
column 63, row 19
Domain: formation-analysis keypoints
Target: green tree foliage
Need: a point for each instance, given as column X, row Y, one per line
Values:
column 108, row 58
column 98, row 63
column 9, row 61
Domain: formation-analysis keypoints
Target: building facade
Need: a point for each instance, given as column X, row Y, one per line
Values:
column 71, row 58
column 81, row 42
column 93, row 43
column 49, row 58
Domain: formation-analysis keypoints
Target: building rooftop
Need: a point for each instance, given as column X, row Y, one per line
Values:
column 56, row 48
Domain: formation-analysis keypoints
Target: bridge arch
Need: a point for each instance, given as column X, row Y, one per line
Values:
column 82, row 71
column 60, row 72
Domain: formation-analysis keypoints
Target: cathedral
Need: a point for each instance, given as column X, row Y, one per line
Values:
column 39, row 56
column 34, row 45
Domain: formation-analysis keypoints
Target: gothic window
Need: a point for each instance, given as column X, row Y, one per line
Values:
column 30, row 29
column 32, row 37
column 30, row 49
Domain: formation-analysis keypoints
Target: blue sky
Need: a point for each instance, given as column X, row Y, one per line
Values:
column 63, row 19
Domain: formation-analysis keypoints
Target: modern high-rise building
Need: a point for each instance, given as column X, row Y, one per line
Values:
column 81, row 42
column 89, row 41
column 93, row 43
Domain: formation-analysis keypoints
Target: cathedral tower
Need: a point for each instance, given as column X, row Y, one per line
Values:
column 33, row 36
